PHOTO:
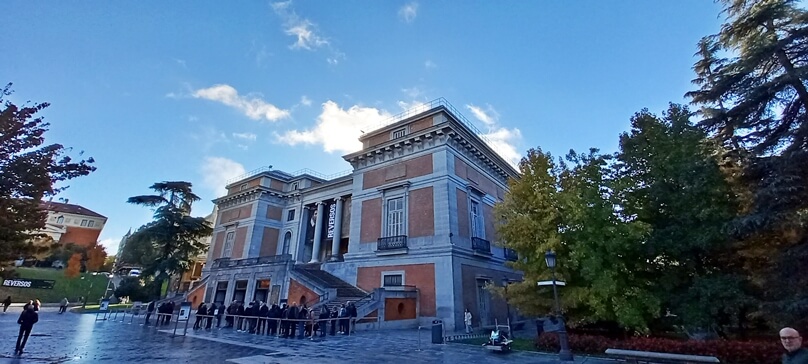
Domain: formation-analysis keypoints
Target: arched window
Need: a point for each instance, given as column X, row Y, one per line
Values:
column 287, row 240
column 60, row 220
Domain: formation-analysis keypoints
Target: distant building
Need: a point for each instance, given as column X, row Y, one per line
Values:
column 68, row 223
column 408, row 233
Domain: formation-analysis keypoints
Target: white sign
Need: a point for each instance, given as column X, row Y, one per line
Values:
column 104, row 305
column 550, row 283
column 332, row 219
column 185, row 311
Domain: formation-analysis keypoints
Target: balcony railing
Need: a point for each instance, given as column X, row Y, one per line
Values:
column 511, row 255
column 481, row 245
column 270, row 259
column 392, row 243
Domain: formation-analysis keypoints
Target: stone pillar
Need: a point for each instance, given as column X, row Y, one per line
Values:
column 335, row 256
column 318, row 234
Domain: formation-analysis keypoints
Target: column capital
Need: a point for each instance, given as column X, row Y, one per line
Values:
column 338, row 199
column 319, row 203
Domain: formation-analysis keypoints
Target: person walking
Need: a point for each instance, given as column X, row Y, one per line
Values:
column 467, row 320
column 6, row 303
column 37, row 304
column 149, row 311
column 63, row 305
column 26, row 321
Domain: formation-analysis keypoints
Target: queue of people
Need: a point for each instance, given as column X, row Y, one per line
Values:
column 288, row 321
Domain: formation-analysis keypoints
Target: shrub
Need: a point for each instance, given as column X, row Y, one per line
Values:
column 728, row 351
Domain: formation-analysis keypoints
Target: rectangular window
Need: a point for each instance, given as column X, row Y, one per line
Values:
column 84, row 222
column 476, row 220
column 393, row 280
column 91, row 223
column 395, row 216
column 228, row 244
column 399, row 133
column 290, row 216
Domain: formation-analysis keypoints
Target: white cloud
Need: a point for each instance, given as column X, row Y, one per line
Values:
column 337, row 129
column 111, row 246
column 429, row 64
column 216, row 171
column 253, row 107
column 250, row 137
column 305, row 100
column 303, row 29
column 499, row 138
column 408, row 12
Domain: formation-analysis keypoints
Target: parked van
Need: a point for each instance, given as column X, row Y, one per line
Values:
column 134, row 273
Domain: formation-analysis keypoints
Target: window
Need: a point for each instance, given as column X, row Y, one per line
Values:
column 290, row 216
column 399, row 133
column 476, row 220
column 60, row 220
column 91, row 223
column 228, row 244
column 84, row 222
column 294, row 186
column 242, row 187
column 393, row 280
column 287, row 240
column 395, row 216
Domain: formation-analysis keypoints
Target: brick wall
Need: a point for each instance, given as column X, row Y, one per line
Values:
column 371, row 228
column 240, row 241
column 250, row 184
column 421, row 214
column 411, row 168
column 218, row 245
column 418, row 275
column 477, row 179
column 274, row 212
column 463, row 214
column 488, row 218
column 79, row 235
column 297, row 292
column 231, row 215
column 399, row 309
column 269, row 242
column 276, row 185
column 197, row 296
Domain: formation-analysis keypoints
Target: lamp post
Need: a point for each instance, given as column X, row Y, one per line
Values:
column 505, row 283
column 564, row 354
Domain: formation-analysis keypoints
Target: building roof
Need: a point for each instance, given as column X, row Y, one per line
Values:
column 69, row 209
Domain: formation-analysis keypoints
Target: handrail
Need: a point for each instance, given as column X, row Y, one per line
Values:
column 392, row 242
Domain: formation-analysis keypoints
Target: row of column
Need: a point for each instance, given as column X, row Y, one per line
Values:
column 318, row 231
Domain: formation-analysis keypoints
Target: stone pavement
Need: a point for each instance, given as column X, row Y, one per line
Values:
column 77, row 338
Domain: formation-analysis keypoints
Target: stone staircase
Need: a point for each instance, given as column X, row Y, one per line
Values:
column 338, row 292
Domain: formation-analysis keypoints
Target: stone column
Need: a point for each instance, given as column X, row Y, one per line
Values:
column 318, row 234
column 335, row 256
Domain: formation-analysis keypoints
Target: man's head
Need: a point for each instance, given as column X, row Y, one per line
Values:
column 790, row 339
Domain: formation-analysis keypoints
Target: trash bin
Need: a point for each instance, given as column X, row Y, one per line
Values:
column 437, row 331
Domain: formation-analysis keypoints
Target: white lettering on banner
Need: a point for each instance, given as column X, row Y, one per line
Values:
column 332, row 217
column 16, row 283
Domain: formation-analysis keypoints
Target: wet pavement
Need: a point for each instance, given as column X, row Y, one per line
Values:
column 79, row 338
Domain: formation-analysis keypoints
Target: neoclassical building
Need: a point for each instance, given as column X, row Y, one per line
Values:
column 408, row 233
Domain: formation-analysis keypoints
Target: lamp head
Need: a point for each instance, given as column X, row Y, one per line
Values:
column 550, row 259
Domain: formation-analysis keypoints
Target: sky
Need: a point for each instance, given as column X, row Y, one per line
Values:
column 205, row 91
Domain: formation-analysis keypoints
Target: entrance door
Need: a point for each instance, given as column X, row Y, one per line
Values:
column 483, row 302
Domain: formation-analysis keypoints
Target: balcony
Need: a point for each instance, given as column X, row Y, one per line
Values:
column 481, row 246
column 511, row 255
column 270, row 259
column 391, row 245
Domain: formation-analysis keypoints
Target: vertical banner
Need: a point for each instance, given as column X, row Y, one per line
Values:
column 332, row 218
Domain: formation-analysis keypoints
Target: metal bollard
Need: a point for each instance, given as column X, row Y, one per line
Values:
column 419, row 339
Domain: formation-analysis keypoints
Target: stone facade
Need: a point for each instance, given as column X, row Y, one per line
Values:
column 415, row 212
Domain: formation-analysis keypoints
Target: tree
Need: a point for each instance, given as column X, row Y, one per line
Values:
column 753, row 98
column 29, row 172
column 96, row 255
column 174, row 237
column 133, row 288
column 73, row 266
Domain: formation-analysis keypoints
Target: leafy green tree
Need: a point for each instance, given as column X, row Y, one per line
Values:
column 133, row 288
column 753, row 98
column 174, row 237
column 29, row 172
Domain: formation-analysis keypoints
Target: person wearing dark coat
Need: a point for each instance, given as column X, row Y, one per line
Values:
column 263, row 313
column 274, row 315
column 6, row 303
column 302, row 315
column 220, row 311
column 285, row 321
column 26, row 321
column 334, row 321
column 324, row 316
column 293, row 313
column 149, row 310
column 231, row 310
column 212, row 313
column 240, row 319
column 351, row 317
column 201, row 310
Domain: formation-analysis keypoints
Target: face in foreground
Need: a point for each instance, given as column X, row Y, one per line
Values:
column 791, row 339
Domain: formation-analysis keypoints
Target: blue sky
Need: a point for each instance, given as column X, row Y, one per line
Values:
column 204, row 91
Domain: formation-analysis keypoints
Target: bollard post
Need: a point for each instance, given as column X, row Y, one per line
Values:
column 419, row 339
column 185, row 330
column 124, row 316
column 176, row 322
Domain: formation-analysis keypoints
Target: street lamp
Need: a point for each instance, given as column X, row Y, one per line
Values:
column 564, row 354
column 505, row 283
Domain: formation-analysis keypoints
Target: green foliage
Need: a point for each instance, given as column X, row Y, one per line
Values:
column 167, row 245
column 635, row 233
column 72, row 288
column 29, row 170
column 133, row 288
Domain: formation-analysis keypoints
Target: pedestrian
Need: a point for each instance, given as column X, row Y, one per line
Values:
column 240, row 311
column 37, row 304
column 29, row 304
column 26, row 321
column 6, row 303
column 263, row 314
column 334, row 320
column 212, row 313
column 792, row 342
column 169, row 311
column 351, row 317
column 63, row 305
column 201, row 310
column 343, row 320
column 293, row 313
column 284, row 321
column 149, row 310
column 467, row 320
column 274, row 315
column 323, row 324
column 302, row 315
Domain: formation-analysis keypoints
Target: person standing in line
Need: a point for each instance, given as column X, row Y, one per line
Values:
column 792, row 342
column 201, row 310
column 26, row 321
column 212, row 313
column 324, row 316
column 351, row 317
column 149, row 310
column 6, row 303
column 63, row 305
column 467, row 320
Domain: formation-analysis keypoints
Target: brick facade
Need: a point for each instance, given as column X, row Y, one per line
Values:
column 299, row 293
column 421, row 276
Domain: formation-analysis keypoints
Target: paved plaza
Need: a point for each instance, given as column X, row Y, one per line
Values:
column 75, row 338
